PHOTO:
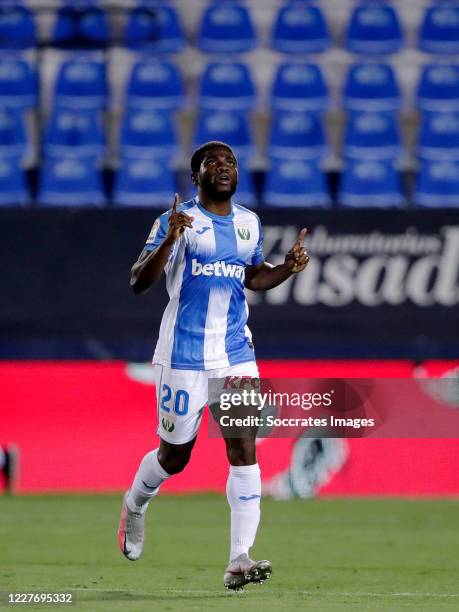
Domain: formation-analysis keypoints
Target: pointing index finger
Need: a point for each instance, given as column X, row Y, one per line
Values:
column 301, row 236
column 176, row 203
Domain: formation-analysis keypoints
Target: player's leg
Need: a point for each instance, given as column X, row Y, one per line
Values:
column 180, row 398
column 243, row 491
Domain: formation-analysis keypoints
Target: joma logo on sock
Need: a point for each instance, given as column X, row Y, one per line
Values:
column 218, row 268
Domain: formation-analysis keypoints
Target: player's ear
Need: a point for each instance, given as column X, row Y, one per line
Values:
column 194, row 178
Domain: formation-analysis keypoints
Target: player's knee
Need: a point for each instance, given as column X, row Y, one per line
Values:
column 173, row 464
column 241, row 452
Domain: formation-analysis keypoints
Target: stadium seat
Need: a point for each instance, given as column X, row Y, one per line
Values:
column 297, row 135
column 70, row 182
column 155, row 85
column 370, row 183
column 155, row 28
column 18, row 84
column 13, row 188
column 232, row 128
column 81, row 84
column 17, row 26
column 439, row 32
column 300, row 28
column 147, row 134
column 296, row 183
column 226, row 27
column 372, row 136
column 374, row 29
column 437, row 185
column 245, row 194
column 81, row 25
column 13, row 135
column 371, row 88
column 72, row 133
column 439, row 137
column 227, row 86
column 299, row 87
column 438, row 89
column 144, row 182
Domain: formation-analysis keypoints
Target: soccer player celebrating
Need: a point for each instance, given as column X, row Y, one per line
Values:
column 210, row 248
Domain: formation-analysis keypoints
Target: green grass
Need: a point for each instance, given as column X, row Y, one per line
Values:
column 327, row 555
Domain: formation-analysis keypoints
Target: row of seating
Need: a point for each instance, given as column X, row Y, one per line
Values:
column 152, row 135
column 226, row 27
column 226, row 85
column 298, row 183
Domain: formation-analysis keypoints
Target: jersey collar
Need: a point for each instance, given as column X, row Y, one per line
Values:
column 213, row 215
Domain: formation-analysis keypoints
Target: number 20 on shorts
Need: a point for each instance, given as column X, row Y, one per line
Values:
column 177, row 401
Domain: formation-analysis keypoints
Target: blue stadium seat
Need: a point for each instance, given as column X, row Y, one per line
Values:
column 13, row 188
column 155, row 85
column 147, row 134
column 155, row 28
column 300, row 28
column 439, row 137
column 371, row 88
column 439, row 33
column 17, row 26
column 72, row 133
column 374, row 29
column 70, row 182
column 230, row 127
column 438, row 89
column 18, row 84
column 437, row 185
column 227, row 86
column 297, row 183
column 299, row 87
column 245, row 194
column 372, row 136
column 144, row 182
column 13, row 135
column 81, row 24
column 297, row 135
column 81, row 84
column 226, row 27
column 370, row 183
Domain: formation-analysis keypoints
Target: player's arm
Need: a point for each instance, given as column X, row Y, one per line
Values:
column 265, row 276
column 148, row 268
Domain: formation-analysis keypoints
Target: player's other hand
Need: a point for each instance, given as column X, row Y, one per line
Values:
column 297, row 258
column 178, row 222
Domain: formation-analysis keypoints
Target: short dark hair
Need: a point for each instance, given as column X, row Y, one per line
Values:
column 200, row 153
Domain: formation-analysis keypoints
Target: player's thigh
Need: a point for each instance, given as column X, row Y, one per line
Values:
column 240, row 448
column 181, row 397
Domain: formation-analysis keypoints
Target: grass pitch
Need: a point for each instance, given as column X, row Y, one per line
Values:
column 327, row 554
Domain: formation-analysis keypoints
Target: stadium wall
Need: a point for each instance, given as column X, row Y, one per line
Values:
column 83, row 426
column 380, row 284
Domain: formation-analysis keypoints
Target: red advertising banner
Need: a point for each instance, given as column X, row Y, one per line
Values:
column 84, row 426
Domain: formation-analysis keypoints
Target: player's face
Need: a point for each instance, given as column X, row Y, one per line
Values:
column 218, row 174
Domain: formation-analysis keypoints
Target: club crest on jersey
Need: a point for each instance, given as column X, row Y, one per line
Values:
column 244, row 233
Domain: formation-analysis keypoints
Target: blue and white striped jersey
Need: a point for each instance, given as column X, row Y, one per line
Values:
column 204, row 325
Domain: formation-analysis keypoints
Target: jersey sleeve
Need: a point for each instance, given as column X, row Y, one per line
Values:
column 257, row 256
column 158, row 233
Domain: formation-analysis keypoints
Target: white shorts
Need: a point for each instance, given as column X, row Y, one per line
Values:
column 182, row 396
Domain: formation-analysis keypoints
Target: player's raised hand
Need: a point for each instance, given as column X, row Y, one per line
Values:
column 178, row 222
column 297, row 258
